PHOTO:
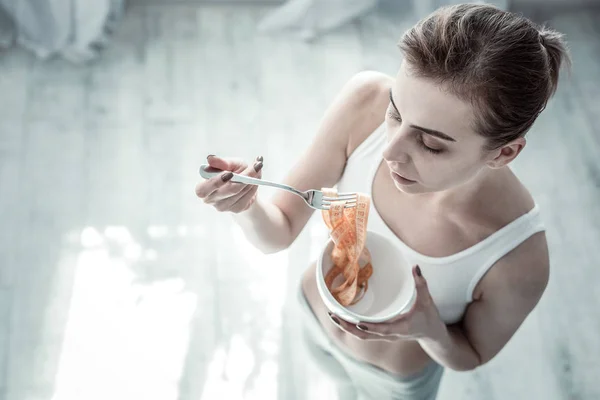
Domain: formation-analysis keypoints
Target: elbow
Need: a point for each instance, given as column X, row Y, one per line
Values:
column 273, row 237
column 472, row 364
column 281, row 241
column 281, row 245
column 273, row 249
column 268, row 246
column 466, row 367
column 468, row 362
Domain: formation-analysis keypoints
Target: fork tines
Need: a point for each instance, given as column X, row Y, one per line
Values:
column 341, row 196
column 349, row 198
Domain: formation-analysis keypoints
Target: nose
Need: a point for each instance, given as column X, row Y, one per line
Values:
column 397, row 150
column 401, row 158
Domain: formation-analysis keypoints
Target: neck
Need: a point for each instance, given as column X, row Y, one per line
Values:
column 467, row 195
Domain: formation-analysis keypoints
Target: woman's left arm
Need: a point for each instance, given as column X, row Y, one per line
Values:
column 510, row 292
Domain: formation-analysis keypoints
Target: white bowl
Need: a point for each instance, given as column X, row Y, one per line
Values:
column 391, row 290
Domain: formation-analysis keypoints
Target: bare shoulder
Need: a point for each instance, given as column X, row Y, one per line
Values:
column 525, row 270
column 523, row 273
column 354, row 112
column 510, row 292
column 369, row 85
column 370, row 91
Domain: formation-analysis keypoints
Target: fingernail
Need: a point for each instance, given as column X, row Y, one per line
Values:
column 258, row 166
column 362, row 327
column 419, row 271
column 334, row 319
column 227, row 176
column 259, row 158
column 209, row 156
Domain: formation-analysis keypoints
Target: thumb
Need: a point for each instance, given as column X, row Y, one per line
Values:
column 226, row 164
column 255, row 168
column 420, row 281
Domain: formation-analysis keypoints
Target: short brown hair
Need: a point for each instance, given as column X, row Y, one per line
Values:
column 503, row 63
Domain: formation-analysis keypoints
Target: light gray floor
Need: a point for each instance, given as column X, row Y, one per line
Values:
column 116, row 283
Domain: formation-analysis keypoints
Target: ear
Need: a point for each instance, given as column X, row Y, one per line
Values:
column 505, row 154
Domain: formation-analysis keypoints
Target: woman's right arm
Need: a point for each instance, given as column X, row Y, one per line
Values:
column 359, row 108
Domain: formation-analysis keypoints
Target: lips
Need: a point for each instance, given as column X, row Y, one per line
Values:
column 403, row 177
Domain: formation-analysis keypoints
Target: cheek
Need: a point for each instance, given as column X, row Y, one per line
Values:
column 438, row 173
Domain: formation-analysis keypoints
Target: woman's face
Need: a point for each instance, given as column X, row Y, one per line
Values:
column 431, row 143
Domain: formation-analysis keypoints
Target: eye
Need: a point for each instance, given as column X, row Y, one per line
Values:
column 425, row 147
column 393, row 114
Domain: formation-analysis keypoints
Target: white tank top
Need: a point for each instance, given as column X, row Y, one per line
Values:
column 452, row 279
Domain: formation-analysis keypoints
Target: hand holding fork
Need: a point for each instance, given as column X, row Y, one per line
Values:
column 231, row 185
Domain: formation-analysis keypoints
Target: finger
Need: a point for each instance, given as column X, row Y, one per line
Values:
column 205, row 188
column 379, row 329
column 255, row 167
column 352, row 329
column 347, row 327
column 226, row 164
column 385, row 331
column 245, row 201
column 224, row 193
column 216, row 199
column 237, row 189
column 253, row 170
column 228, row 203
column 418, row 275
column 423, row 295
column 393, row 327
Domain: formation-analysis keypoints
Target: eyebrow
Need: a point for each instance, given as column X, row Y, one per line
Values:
column 431, row 132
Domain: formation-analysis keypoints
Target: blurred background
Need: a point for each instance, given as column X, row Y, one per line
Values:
column 116, row 282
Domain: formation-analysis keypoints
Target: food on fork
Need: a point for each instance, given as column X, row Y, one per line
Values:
column 348, row 231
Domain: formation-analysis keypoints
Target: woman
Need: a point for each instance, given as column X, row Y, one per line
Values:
column 432, row 147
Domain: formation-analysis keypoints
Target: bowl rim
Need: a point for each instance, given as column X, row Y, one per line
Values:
column 322, row 288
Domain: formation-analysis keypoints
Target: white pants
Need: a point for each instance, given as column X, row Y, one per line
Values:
column 359, row 380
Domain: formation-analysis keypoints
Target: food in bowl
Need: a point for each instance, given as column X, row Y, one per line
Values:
column 351, row 259
column 391, row 291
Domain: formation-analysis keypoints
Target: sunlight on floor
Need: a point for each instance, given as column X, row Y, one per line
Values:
column 122, row 340
column 126, row 338
column 235, row 371
column 228, row 374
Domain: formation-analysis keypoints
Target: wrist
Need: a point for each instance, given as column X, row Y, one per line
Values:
column 439, row 333
column 256, row 213
column 249, row 213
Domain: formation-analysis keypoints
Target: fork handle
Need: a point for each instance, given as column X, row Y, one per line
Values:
column 208, row 172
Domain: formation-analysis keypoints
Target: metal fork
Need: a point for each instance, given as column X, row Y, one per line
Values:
column 314, row 198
